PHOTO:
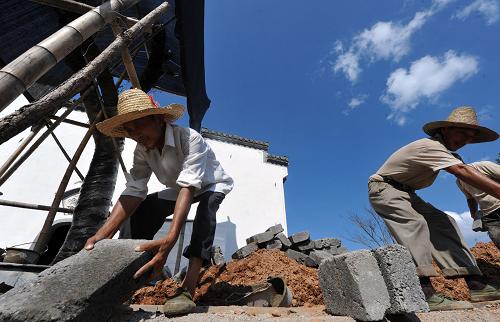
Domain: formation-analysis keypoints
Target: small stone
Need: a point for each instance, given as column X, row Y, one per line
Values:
column 260, row 238
column 327, row 242
column 217, row 257
column 309, row 262
column 245, row 251
column 272, row 244
column 299, row 237
column 276, row 229
column 285, row 242
column 335, row 250
column 304, row 246
column 297, row 256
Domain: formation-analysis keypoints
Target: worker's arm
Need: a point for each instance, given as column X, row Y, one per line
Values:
column 475, row 178
column 125, row 206
column 162, row 247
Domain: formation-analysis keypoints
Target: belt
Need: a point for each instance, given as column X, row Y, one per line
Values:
column 398, row 185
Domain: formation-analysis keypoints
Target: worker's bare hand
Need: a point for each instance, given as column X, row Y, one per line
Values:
column 92, row 240
column 154, row 267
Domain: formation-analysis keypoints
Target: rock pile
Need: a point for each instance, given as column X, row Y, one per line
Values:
column 298, row 246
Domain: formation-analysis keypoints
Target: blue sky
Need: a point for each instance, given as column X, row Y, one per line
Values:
column 337, row 86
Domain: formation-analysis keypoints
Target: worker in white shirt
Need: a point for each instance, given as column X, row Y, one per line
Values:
column 182, row 161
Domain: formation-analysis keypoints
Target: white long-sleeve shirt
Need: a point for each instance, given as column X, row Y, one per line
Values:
column 186, row 160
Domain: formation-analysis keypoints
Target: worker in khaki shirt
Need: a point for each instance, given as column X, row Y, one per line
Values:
column 183, row 162
column 489, row 205
column 424, row 230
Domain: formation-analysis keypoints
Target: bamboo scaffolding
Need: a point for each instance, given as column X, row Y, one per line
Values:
column 27, row 115
column 17, row 204
column 77, row 7
column 44, row 236
column 23, row 71
column 127, row 59
column 72, row 122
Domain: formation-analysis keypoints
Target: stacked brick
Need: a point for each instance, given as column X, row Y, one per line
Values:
column 298, row 246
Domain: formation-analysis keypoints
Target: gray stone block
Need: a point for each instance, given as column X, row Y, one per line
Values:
column 309, row 262
column 326, row 242
column 245, row 251
column 272, row 244
column 299, row 237
column 260, row 238
column 276, row 229
column 335, row 250
column 83, row 287
column 320, row 255
column 285, row 242
column 400, row 276
column 217, row 258
column 297, row 256
column 304, row 246
column 353, row 285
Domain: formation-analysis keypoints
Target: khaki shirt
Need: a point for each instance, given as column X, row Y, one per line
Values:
column 417, row 164
column 487, row 203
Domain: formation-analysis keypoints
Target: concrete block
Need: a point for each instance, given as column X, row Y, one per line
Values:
column 285, row 242
column 299, row 237
column 400, row 276
column 83, row 287
column 260, row 238
column 353, row 285
column 217, row 257
column 304, row 246
column 245, row 251
column 297, row 256
column 272, row 244
column 276, row 229
column 320, row 255
column 327, row 242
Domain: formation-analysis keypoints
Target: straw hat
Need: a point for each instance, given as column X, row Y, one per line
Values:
column 134, row 104
column 464, row 117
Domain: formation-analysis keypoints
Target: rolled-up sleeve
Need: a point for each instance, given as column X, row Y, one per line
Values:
column 137, row 180
column 194, row 164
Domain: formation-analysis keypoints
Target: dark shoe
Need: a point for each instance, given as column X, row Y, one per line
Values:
column 488, row 293
column 182, row 303
column 440, row 302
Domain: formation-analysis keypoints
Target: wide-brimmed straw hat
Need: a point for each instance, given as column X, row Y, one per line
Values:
column 465, row 117
column 134, row 104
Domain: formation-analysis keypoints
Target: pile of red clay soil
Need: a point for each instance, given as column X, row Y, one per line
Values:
column 488, row 260
column 219, row 283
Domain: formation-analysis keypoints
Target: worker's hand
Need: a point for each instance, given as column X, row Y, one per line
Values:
column 92, row 240
column 161, row 248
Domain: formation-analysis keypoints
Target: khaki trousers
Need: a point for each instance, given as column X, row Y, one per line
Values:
column 426, row 231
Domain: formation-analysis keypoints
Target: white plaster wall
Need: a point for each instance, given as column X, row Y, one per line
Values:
column 256, row 202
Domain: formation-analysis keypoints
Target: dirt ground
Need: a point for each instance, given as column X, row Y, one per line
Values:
column 216, row 284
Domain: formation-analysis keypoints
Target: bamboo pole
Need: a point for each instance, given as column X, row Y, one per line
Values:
column 20, row 148
column 43, row 238
column 127, row 59
column 26, row 69
column 19, row 120
column 24, row 205
column 72, row 122
column 77, row 7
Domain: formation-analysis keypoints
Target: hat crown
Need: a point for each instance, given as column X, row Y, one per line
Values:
column 463, row 114
column 133, row 100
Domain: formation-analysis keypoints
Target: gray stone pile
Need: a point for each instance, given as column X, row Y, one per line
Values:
column 298, row 246
column 367, row 285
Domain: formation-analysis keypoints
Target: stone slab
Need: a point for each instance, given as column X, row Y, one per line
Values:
column 353, row 285
column 327, row 242
column 297, row 256
column 400, row 276
column 335, row 250
column 299, row 237
column 83, row 287
column 276, row 229
column 272, row 244
column 304, row 246
column 285, row 242
column 245, row 251
column 260, row 238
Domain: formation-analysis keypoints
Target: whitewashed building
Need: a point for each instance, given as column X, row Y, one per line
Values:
column 256, row 202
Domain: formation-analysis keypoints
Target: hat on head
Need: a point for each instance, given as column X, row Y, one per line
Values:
column 134, row 104
column 465, row 117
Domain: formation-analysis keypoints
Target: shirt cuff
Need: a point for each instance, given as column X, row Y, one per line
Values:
column 189, row 179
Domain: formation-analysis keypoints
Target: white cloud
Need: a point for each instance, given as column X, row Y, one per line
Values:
column 490, row 9
column 464, row 222
column 426, row 78
column 385, row 40
column 357, row 101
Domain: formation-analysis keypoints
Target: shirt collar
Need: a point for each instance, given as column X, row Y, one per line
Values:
column 169, row 136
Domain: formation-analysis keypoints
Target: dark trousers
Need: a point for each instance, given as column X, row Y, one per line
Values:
column 151, row 214
column 492, row 223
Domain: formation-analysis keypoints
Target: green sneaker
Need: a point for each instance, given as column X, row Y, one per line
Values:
column 488, row 293
column 440, row 302
column 182, row 303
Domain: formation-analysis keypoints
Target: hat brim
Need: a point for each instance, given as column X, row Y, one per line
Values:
column 484, row 134
column 113, row 126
